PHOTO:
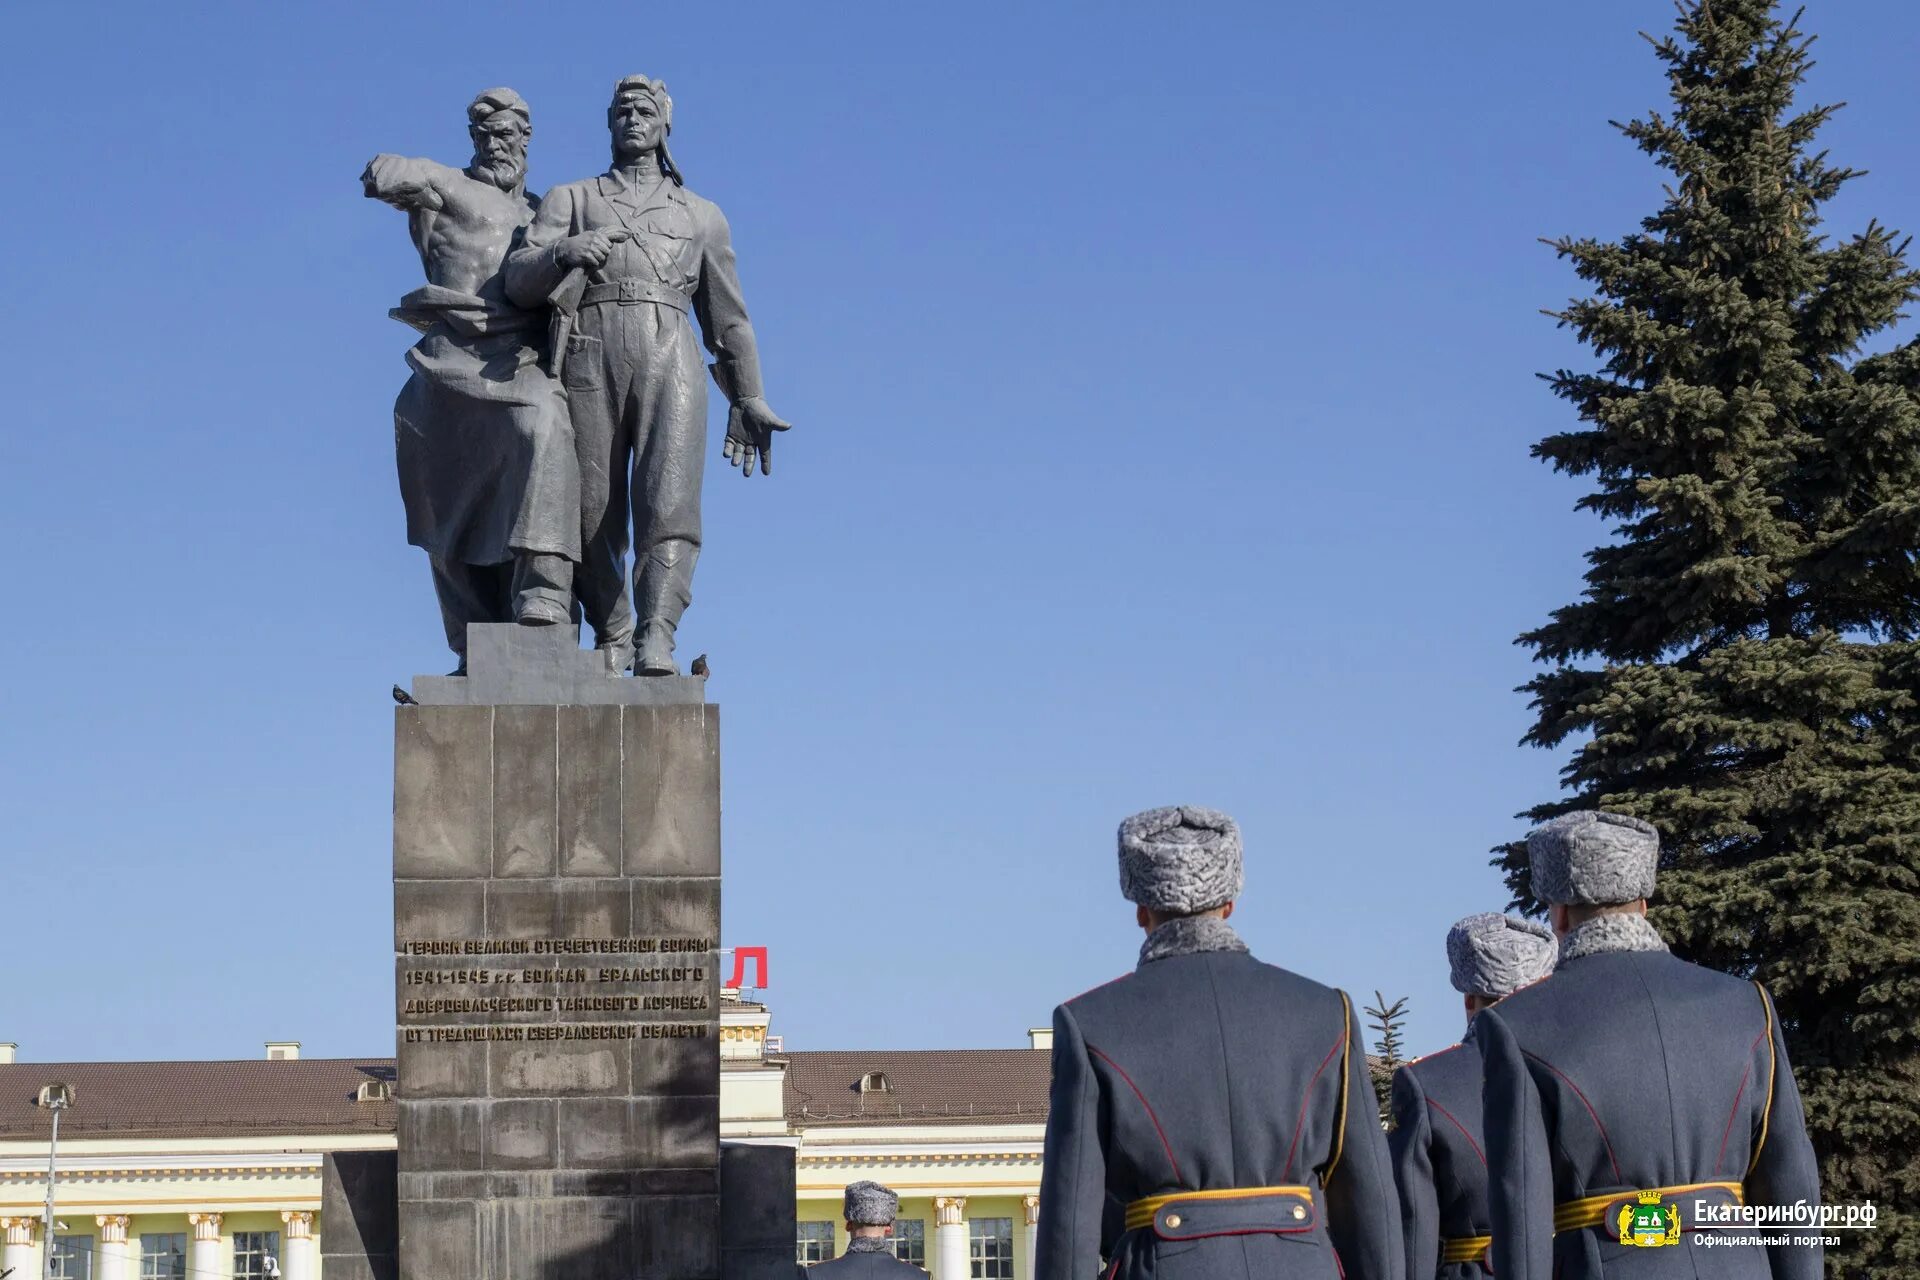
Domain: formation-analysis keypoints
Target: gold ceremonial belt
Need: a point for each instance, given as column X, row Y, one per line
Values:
column 1140, row 1212
column 1464, row 1248
column 1576, row 1215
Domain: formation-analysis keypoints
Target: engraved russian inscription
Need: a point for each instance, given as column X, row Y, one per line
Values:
column 625, row 976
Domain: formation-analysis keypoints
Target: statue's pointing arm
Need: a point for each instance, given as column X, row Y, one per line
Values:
column 405, row 182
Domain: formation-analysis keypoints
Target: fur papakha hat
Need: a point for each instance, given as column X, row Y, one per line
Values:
column 1180, row 860
column 1593, row 858
column 1494, row 955
column 868, row 1204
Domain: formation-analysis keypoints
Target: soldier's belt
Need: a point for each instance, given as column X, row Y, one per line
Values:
column 1464, row 1248
column 1594, row 1211
column 630, row 291
column 1297, row 1215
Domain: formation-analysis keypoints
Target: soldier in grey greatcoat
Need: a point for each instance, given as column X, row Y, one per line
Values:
column 1632, row 1097
column 1439, row 1151
column 869, row 1209
column 652, row 257
column 1210, row 1116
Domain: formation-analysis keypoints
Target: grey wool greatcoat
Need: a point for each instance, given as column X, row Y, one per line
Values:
column 1207, row 1071
column 1631, row 1070
column 1440, row 1164
column 869, row 1263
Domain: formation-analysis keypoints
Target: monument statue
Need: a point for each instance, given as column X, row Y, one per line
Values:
column 627, row 261
column 485, row 451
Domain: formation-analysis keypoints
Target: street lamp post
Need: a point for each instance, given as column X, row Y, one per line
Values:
column 55, row 1098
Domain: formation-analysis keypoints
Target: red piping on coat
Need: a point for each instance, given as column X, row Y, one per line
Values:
column 1594, row 1115
column 1734, row 1110
column 1165, row 1145
column 1463, row 1131
column 1300, row 1121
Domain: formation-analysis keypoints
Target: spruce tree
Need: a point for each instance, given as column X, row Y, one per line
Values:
column 1741, row 669
column 1388, row 1023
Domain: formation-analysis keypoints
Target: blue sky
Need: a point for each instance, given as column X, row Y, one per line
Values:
column 1163, row 386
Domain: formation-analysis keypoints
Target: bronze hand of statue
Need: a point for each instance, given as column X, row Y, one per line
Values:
column 750, row 427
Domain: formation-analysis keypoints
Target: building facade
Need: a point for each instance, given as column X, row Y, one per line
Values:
column 211, row 1170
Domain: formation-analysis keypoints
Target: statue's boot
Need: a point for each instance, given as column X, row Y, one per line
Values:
column 661, row 590
column 542, row 589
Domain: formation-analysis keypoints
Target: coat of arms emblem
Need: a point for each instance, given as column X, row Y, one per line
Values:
column 1648, row 1224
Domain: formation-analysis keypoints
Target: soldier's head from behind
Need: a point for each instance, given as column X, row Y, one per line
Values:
column 869, row 1209
column 1491, row 956
column 1181, row 861
column 1588, row 864
column 500, row 124
column 639, row 118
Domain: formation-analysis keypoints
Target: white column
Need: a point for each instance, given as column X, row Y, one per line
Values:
column 113, row 1252
column 1032, row 1205
column 950, row 1237
column 296, row 1251
column 206, row 1260
column 21, row 1257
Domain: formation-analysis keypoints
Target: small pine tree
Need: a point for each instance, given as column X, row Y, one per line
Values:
column 1387, row 1022
column 1742, row 669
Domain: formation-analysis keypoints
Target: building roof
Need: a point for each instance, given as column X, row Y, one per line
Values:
column 197, row 1099
column 316, row 1095
column 983, row 1085
column 254, row 1097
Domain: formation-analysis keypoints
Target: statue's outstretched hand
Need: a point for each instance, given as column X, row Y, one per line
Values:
column 750, row 427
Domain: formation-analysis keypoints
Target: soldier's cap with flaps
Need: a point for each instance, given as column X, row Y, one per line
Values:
column 1494, row 955
column 868, row 1204
column 655, row 89
column 1180, row 860
column 1589, row 858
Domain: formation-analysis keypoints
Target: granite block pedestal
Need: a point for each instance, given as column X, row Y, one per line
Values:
column 556, row 923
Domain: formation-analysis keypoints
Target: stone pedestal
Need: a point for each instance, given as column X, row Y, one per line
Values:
column 556, row 920
column 357, row 1206
column 757, row 1213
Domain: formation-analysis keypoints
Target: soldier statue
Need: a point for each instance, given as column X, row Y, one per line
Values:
column 869, row 1209
column 628, row 261
column 1633, row 1087
column 1211, row 1117
column 485, row 453
column 1439, row 1150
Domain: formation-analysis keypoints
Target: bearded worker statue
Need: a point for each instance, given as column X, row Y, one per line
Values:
column 485, row 451
column 628, row 261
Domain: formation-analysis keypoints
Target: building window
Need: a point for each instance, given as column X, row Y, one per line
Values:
column 990, row 1248
column 256, row 1255
column 163, row 1257
column 72, row 1258
column 814, row 1243
column 910, row 1241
